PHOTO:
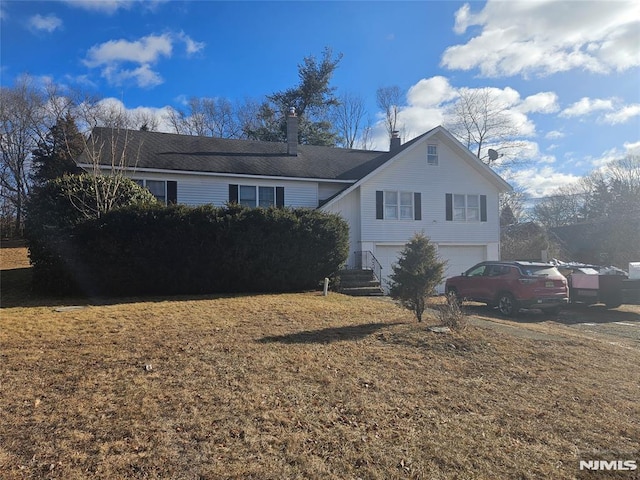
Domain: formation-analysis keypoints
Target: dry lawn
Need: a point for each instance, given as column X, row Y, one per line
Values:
column 297, row 386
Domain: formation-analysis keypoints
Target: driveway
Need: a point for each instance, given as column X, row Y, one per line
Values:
column 620, row 325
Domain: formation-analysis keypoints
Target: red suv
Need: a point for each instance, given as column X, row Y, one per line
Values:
column 511, row 286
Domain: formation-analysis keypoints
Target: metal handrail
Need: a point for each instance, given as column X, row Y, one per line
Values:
column 366, row 260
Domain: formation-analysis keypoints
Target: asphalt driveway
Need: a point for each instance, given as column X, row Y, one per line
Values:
column 619, row 325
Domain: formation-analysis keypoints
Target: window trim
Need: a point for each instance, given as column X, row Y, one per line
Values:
column 432, row 158
column 480, row 209
column 143, row 183
column 278, row 195
column 398, row 205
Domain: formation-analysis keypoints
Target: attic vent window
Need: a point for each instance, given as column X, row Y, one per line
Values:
column 432, row 155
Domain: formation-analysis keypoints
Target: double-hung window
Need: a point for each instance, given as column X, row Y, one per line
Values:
column 466, row 208
column 395, row 205
column 165, row 191
column 252, row 196
column 158, row 189
column 247, row 196
column 256, row 196
column 391, row 205
column 432, row 155
column 266, row 197
column 406, row 205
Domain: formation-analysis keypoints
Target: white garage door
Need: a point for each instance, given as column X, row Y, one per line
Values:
column 461, row 258
column 387, row 255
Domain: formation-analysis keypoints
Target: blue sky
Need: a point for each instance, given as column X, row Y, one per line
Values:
column 569, row 71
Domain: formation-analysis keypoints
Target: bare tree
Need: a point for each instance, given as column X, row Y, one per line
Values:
column 24, row 122
column 566, row 207
column 348, row 118
column 109, row 151
column 207, row 117
column 366, row 139
column 388, row 100
column 512, row 207
column 141, row 120
column 479, row 119
column 247, row 112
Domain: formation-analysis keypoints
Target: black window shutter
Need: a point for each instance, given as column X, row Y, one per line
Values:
column 379, row 205
column 233, row 193
column 280, row 197
column 483, row 208
column 417, row 205
column 449, row 206
column 172, row 191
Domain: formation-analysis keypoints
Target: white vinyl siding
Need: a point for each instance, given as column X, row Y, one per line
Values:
column 409, row 172
column 197, row 189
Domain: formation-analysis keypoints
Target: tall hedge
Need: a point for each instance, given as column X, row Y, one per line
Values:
column 177, row 249
column 55, row 209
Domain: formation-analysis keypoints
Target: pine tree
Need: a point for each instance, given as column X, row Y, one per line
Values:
column 312, row 99
column 55, row 156
column 416, row 275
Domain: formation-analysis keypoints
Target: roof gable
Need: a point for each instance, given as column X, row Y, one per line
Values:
column 441, row 133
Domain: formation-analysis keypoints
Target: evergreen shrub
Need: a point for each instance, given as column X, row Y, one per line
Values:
column 153, row 249
column 55, row 209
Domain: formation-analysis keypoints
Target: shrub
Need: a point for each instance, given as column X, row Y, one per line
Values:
column 416, row 274
column 55, row 209
column 152, row 249
column 452, row 314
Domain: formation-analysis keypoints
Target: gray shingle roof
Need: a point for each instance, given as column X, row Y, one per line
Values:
column 167, row 151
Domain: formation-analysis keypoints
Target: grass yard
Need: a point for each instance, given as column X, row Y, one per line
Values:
column 296, row 386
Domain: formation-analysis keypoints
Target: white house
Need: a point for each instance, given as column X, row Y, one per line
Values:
column 431, row 184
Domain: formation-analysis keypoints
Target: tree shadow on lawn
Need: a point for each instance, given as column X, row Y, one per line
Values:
column 16, row 291
column 329, row 335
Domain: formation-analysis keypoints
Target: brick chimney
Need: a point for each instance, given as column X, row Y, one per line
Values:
column 292, row 133
column 395, row 141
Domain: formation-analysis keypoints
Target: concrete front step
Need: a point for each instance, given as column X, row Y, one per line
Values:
column 359, row 283
column 362, row 291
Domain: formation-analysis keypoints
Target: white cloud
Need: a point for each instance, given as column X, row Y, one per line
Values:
column 632, row 148
column 543, row 102
column 554, row 134
column 431, row 92
column 540, row 182
column 47, row 23
column 429, row 101
column 110, row 7
column 622, row 115
column 103, row 6
column 547, row 36
column 143, row 76
column 154, row 114
column 146, row 50
column 586, row 105
column 123, row 60
column 191, row 45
